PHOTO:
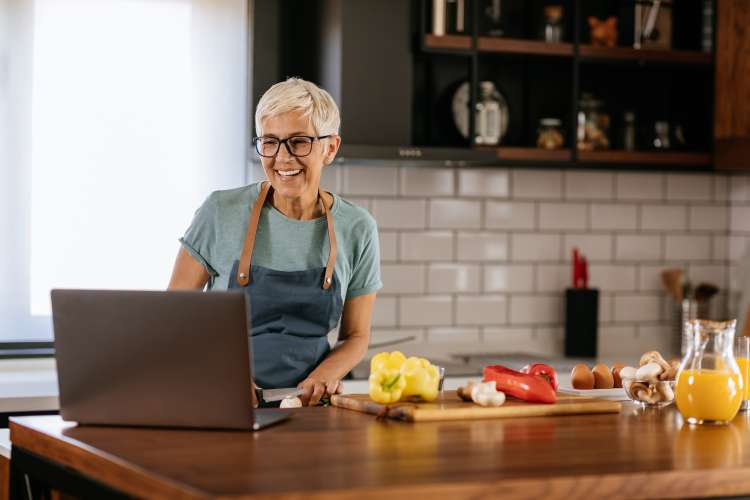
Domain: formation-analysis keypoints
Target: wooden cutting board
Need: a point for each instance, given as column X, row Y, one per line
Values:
column 450, row 407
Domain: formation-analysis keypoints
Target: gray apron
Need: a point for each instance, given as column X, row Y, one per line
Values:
column 291, row 312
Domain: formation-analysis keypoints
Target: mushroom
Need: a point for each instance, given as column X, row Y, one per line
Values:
column 465, row 392
column 655, row 357
column 291, row 402
column 665, row 390
column 627, row 373
column 649, row 372
column 639, row 391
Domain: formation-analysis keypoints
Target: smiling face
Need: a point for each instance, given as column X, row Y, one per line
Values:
column 297, row 179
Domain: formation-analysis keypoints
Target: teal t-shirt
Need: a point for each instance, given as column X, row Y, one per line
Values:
column 217, row 233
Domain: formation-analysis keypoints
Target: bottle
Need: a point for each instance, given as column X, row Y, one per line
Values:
column 709, row 384
column 491, row 115
column 553, row 24
column 661, row 137
column 628, row 134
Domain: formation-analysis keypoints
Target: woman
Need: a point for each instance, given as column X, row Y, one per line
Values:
column 306, row 258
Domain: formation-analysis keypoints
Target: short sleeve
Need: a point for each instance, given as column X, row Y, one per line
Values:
column 200, row 238
column 366, row 272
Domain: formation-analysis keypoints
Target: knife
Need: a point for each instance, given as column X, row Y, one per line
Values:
column 271, row 395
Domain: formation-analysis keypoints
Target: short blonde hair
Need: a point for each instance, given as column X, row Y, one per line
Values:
column 296, row 94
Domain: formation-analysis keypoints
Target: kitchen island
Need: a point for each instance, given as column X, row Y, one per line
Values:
column 332, row 452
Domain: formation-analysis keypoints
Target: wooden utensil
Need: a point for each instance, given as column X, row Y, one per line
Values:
column 704, row 292
column 671, row 280
column 451, row 407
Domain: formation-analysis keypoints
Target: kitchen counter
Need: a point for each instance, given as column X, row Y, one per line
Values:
column 332, row 452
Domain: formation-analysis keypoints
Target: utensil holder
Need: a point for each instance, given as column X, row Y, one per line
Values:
column 581, row 322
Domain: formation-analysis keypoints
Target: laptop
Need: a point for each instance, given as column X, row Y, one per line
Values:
column 156, row 358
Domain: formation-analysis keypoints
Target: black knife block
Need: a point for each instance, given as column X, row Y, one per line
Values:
column 581, row 322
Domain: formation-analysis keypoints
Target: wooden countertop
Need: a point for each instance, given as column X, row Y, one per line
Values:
column 336, row 452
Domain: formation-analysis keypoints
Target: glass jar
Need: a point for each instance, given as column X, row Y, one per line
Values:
column 550, row 134
column 593, row 124
column 709, row 383
column 661, row 135
column 553, row 23
column 491, row 115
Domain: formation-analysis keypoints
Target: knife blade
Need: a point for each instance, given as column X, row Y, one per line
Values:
column 272, row 395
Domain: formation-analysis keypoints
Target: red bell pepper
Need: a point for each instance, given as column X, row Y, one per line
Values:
column 545, row 371
column 532, row 388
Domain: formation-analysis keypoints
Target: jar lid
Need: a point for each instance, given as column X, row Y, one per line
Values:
column 550, row 122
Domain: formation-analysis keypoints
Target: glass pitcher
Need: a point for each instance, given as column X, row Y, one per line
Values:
column 709, row 384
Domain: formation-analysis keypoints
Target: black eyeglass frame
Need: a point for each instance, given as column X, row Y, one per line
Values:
column 285, row 142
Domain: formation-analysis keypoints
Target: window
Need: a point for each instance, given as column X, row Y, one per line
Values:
column 123, row 116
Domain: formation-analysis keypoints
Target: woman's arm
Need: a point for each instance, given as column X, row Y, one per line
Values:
column 355, row 335
column 188, row 273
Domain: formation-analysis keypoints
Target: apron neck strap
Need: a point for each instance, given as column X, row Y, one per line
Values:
column 243, row 270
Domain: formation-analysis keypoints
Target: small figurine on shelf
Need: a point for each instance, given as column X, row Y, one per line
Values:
column 603, row 33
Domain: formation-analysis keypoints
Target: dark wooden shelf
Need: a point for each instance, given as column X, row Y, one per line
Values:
column 589, row 52
column 451, row 42
column 680, row 158
column 499, row 45
column 529, row 154
column 529, row 47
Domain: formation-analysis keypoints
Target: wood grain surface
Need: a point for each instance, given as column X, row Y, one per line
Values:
column 336, row 453
column 4, row 477
column 450, row 407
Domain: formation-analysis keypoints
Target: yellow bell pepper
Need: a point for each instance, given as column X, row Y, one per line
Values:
column 422, row 378
column 386, row 385
column 387, row 360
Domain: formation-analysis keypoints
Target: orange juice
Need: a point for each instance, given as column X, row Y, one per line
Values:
column 744, row 364
column 708, row 395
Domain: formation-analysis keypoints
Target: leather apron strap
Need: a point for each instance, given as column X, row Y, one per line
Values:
column 243, row 270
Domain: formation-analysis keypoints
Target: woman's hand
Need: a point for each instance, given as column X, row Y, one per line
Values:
column 315, row 388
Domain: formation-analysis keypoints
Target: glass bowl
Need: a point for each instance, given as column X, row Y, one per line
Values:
column 656, row 395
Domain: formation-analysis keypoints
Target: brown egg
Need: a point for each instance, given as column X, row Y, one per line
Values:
column 602, row 377
column 581, row 377
column 615, row 371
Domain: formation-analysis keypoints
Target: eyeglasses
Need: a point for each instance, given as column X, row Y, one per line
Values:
column 297, row 145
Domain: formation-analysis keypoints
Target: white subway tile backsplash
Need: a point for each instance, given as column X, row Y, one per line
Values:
column 509, row 215
column 609, row 278
column 424, row 181
column 535, row 247
column 379, row 335
column 463, row 334
column 400, row 214
column 402, row 278
column 638, row 247
column 427, row 246
column 481, row 310
column 455, row 214
column 720, row 248
column 436, row 310
column 739, row 188
column 553, row 277
column 687, row 247
column 453, row 278
column 689, row 187
column 739, row 218
column 480, row 258
column 537, row 184
column 536, row 309
column 634, row 308
column 486, row 182
column 656, row 337
column 705, row 218
column 370, row 180
column 482, row 246
column 721, row 188
column 596, row 247
column 715, row 274
column 610, row 217
column 589, row 185
column 664, row 217
column 637, row 186
column 557, row 216
column 509, row 278
column 388, row 246
column 619, row 342
column 384, row 312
